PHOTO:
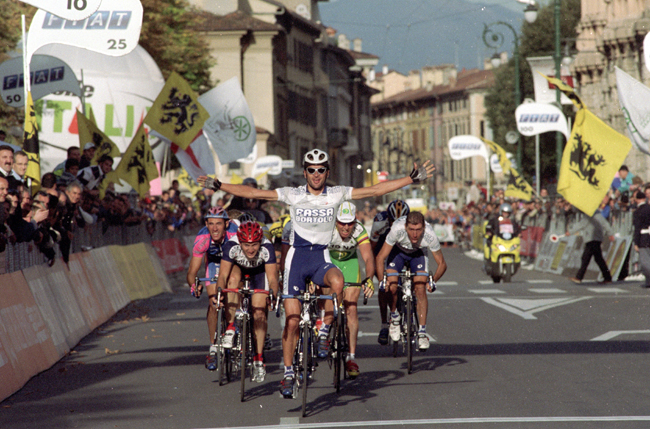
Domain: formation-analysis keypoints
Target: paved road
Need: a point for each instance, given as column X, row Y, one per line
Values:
column 539, row 352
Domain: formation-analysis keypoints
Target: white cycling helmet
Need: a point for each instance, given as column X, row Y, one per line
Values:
column 316, row 156
column 347, row 212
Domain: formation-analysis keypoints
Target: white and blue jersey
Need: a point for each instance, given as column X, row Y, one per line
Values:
column 313, row 218
column 405, row 252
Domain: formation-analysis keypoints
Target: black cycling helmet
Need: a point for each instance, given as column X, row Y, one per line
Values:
column 397, row 208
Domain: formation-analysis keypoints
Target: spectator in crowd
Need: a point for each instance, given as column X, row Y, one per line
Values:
column 73, row 153
column 69, row 174
column 48, row 183
column 4, row 213
column 90, row 177
column 3, row 136
column 592, row 229
column 7, row 165
column 20, row 166
column 641, row 237
column 87, row 155
column 623, row 182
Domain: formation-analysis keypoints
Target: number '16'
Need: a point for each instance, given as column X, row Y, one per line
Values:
column 78, row 4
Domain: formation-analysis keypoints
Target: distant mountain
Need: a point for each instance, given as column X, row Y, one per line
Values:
column 410, row 34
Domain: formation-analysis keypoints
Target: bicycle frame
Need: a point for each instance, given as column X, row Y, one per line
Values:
column 304, row 361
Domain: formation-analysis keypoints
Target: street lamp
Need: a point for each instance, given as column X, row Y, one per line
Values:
column 493, row 39
column 558, row 61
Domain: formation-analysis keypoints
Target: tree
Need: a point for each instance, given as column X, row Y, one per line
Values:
column 10, row 34
column 535, row 40
column 167, row 35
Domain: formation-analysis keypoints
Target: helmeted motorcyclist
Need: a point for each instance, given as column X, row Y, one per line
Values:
column 503, row 225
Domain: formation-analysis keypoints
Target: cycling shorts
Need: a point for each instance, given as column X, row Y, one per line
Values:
column 417, row 261
column 258, row 277
column 350, row 269
column 302, row 263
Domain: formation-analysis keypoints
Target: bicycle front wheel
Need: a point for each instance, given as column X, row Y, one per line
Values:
column 338, row 345
column 220, row 351
column 410, row 339
column 305, row 365
column 245, row 350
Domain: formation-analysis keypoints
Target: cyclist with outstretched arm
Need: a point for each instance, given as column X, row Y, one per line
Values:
column 255, row 256
column 313, row 213
column 407, row 243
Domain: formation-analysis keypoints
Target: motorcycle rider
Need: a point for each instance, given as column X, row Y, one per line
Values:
column 504, row 225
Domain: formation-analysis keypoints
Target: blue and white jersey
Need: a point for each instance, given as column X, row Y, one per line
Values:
column 233, row 253
column 398, row 237
column 313, row 217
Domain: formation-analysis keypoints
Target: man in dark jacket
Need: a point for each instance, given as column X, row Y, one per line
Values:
column 641, row 221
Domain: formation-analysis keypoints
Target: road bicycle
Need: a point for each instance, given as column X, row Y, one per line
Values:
column 340, row 345
column 304, row 361
column 240, row 356
column 407, row 309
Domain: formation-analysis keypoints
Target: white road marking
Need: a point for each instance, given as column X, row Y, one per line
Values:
column 547, row 290
column 527, row 307
column 486, row 282
column 607, row 290
column 613, row 334
column 289, row 422
column 485, row 291
column 540, row 281
column 447, row 284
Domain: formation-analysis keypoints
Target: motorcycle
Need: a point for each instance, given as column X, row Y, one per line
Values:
column 501, row 256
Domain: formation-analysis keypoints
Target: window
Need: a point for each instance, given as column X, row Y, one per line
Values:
column 303, row 56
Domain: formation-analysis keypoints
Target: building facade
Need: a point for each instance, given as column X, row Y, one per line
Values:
column 304, row 90
column 416, row 125
column 611, row 33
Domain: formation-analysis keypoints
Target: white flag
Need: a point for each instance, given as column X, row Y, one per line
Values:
column 73, row 10
column 634, row 96
column 461, row 147
column 112, row 30
column 197, row 159
column 230, row 129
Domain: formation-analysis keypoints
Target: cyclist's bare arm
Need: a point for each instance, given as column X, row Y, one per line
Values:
column 224, row 273
column 381, row 260
column 243, row 190
column 442, row 266
column 368, row 258
column 272, row 276
column 192, row 271
column 418, row 174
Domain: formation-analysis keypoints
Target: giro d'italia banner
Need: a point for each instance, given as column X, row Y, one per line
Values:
column 538, row 118
column 73, row 10
column 544, row 90
column 114, row 29
column 48, row 74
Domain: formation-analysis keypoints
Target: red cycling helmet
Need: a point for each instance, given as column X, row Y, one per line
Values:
column 250, row 232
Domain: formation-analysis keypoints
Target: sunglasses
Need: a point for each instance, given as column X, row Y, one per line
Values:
column 312, row 170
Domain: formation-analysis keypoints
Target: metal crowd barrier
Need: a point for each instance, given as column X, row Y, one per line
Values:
column 19, row 256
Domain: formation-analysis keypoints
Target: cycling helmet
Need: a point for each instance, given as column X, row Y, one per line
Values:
column 397, row 208
column 250, row 181
column 505, row 208
column 246, row 217
column 216, row 213
column 250, row 232
column 346, row 213
column 316, row 156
